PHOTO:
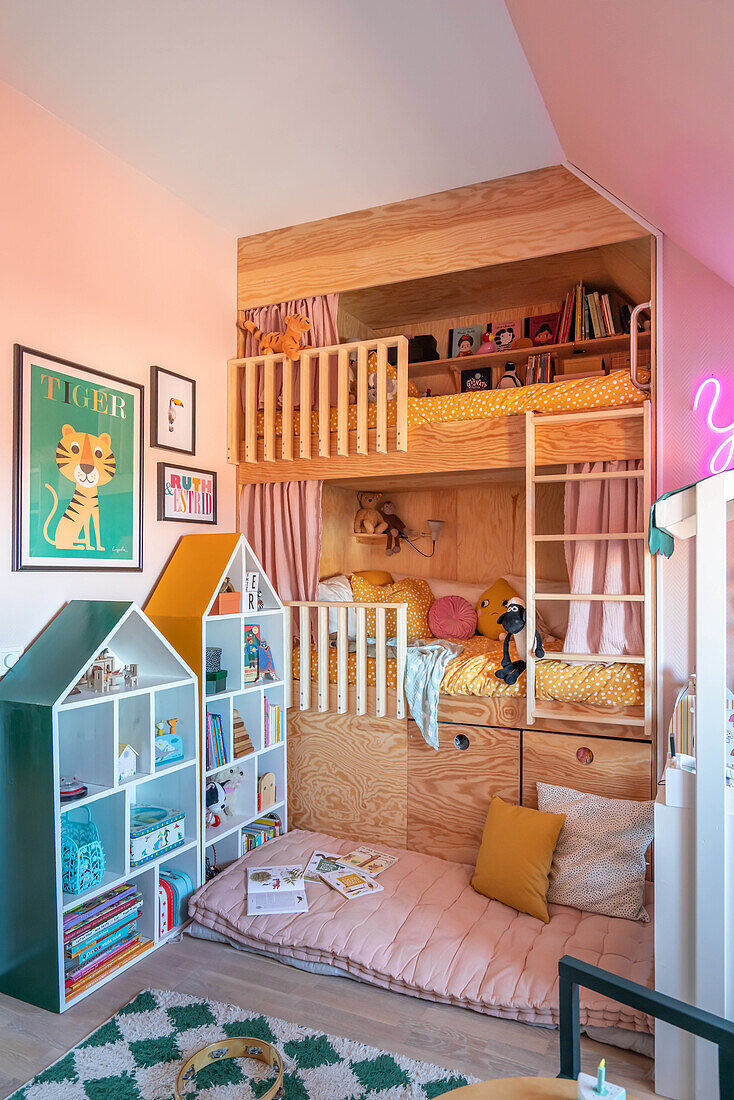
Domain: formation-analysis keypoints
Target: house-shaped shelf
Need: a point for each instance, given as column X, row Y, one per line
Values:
column 243, row 724
column 58, row 723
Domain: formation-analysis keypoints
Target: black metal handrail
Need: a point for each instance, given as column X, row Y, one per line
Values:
column 574, row 974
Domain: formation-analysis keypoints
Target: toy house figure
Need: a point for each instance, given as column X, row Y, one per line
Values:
column 126, row 762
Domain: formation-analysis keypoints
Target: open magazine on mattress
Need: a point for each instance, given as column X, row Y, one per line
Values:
column 279, row 889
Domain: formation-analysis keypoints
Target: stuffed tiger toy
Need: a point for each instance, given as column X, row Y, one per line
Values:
column 288, row 342
column 88, row 461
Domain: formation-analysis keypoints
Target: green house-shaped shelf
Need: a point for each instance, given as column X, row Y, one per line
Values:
column 53, row 726
column 247, row 719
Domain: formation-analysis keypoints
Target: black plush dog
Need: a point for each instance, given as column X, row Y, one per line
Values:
column 514, row 621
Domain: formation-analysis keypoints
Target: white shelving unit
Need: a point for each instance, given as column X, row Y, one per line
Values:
column 216, row 557
column 85, row 731
column 694, row 812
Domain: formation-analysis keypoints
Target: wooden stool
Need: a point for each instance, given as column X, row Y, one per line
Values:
column 519, row 1088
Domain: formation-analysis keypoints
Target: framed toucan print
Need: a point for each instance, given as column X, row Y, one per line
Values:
column 172, row 411
column 77, row 467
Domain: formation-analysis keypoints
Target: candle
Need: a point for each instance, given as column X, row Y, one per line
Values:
column 600, row 1077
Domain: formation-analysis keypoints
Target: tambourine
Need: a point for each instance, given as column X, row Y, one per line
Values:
column 242, row 1046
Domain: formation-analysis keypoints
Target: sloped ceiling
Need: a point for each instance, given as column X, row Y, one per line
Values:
column 642, row 98
column 265, row 114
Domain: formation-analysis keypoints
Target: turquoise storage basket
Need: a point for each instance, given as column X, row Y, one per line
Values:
column 82, row 855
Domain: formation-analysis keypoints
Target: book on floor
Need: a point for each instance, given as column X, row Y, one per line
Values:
column 320, row 862
column 351, row 883
column 369, row 860
column 276, row 890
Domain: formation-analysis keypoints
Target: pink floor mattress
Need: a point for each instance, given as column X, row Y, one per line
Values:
column 428, row 934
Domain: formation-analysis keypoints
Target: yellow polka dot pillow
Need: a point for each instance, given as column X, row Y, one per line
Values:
column 412, row 591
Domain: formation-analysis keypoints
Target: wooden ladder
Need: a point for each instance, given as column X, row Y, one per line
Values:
column 570, row 712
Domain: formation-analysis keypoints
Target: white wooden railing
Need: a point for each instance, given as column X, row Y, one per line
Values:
column 312, row 622
column 252, row 388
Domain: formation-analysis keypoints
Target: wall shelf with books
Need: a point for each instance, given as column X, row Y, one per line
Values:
column 91, row 907
column 240, row 655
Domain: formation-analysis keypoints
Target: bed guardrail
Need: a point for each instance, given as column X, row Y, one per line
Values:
column 272, row 387
column 310, row 623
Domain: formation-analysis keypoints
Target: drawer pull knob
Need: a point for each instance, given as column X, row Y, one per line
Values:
column 584, row 755
column 462, row 742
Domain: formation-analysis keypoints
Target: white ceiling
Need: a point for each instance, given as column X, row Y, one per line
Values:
column 264, row 113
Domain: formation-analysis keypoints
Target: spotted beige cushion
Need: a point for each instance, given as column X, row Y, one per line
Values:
column 599, row 861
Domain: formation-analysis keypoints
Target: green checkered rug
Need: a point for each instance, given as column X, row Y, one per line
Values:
column 137, row 1054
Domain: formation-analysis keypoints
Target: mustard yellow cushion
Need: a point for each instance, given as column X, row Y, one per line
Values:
column 412, row 591
column 490, row 607
column 375, row 576
column 515, row 857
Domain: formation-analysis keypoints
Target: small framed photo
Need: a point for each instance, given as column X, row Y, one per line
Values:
column 543, row 329
column 77, row 467
column 186, row 495
column 172, row 411
column 465, row 341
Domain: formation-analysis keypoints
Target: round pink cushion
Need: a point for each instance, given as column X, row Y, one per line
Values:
column 452, row 617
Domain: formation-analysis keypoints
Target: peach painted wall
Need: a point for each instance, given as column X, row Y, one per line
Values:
column 105, row 268
column 697, row 339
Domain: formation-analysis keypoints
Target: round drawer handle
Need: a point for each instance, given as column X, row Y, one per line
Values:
column 462, row 742
column 584, row 755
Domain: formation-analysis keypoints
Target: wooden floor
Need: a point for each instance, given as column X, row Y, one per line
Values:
column 30, row 1038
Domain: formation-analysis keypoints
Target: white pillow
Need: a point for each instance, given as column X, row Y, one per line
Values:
column 554, row 613
column 338, row 588
column 599, row 861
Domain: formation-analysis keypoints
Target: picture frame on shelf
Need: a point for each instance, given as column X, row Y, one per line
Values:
column 186, row 494
column 465, row 341
column 543, row 329
column 172, row 411
column 77, row 467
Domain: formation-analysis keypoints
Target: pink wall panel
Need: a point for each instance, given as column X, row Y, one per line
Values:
column 105, row 268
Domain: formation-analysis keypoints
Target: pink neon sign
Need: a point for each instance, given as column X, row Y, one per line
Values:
column 722, row 457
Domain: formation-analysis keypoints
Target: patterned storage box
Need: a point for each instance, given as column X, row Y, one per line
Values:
column 154, row 830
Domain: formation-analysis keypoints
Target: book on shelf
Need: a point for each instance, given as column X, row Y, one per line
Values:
column 260, row 831
column 370, row 860
column 216, row 755
column 272, row 730
column 280, row 889
column 592, row 315
column 539, row 369
column 351, row 883
column 127, row 951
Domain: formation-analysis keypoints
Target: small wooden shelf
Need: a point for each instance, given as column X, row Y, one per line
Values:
column 518, row 355
column 365, row 539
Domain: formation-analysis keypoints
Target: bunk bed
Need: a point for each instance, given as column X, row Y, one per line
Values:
column 355, row 415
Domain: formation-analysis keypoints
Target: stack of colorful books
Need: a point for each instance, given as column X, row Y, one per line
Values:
column 216, row 754
column 592, row 315
column 259, row 832
column 272, row 734
column 540, row 369
column 100, row 936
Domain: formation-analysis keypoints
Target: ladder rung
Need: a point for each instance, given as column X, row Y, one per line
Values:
column 602, row 719
column 591, row 537
column 609, row 475
column 585, row 597
column 599, row 414
column 594, row 658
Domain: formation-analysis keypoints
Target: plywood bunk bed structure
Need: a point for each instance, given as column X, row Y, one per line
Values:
column 493, row 466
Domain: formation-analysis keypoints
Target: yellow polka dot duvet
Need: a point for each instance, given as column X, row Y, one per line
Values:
column 583, row 393
column 473, row 673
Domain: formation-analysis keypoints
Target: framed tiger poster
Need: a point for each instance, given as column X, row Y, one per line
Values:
column 77, row 467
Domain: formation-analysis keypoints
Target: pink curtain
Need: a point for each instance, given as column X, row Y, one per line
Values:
column 613, row 567
column 321, row 312
column 282, row 523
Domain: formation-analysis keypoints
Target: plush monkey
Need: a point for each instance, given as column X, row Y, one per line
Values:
column 514, row 621
column 394, row 524
column 368, row 519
